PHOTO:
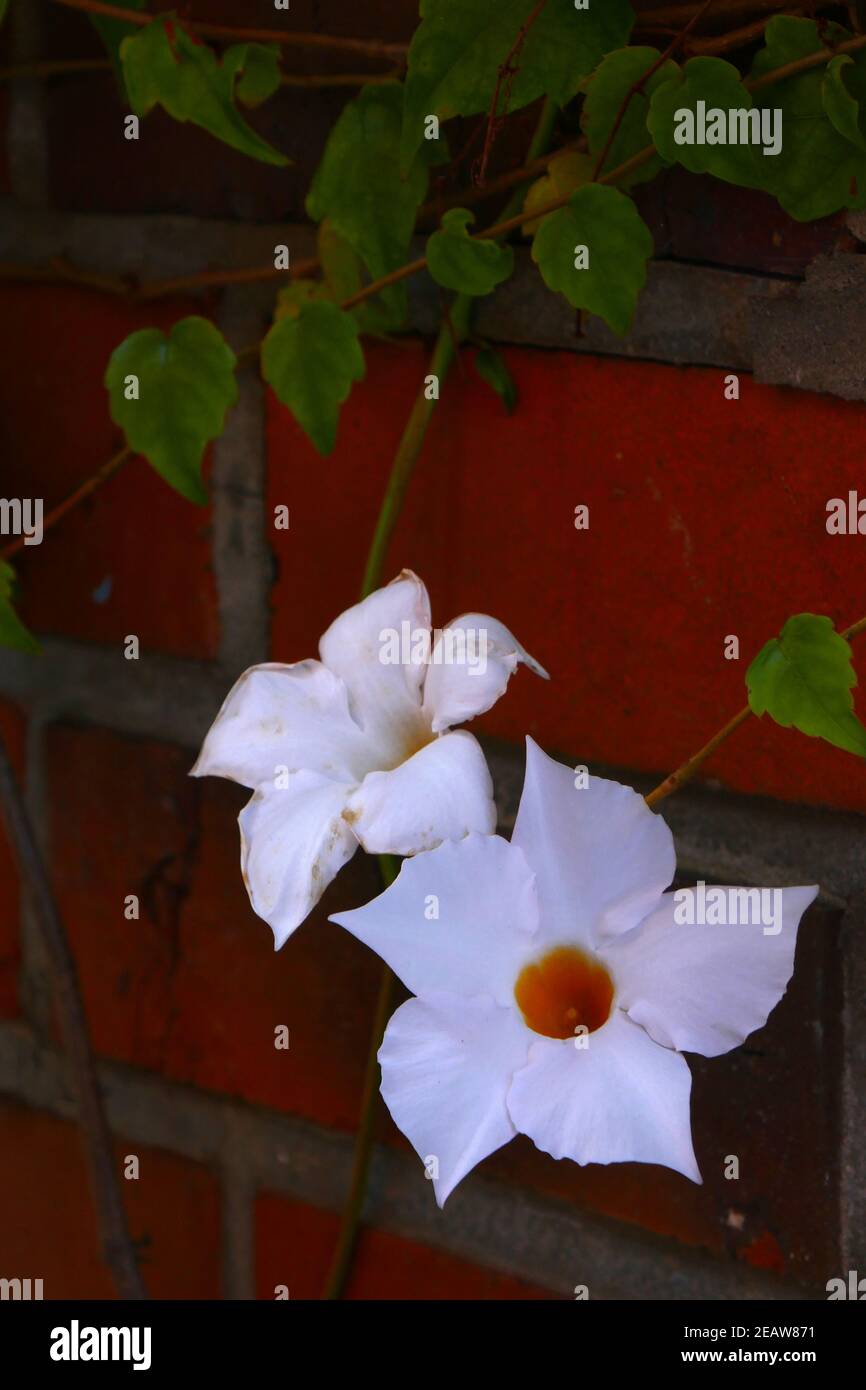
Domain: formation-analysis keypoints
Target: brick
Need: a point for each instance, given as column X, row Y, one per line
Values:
column 700, row 219
column 194, row 990
column 49, row 1229
column 12, row 728
column 295, row 1245
column 707, row 517
column 809, row 336
column 135, row 557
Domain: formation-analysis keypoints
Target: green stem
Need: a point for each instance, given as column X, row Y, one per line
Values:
column 342, row 1261
column 450, row 335
column 452, row 332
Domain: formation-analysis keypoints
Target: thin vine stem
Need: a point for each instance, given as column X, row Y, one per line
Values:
column 209, row 279
column 725, row 9
column 686, row 772
column 504, row 79
column 733, row 38
column 83, row 490
column 60, row 67
column 67, row 67
column 341, row 1265
column 118, row 1251
column 411, row 442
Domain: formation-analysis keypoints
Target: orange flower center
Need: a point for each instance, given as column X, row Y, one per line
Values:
column 565, row 990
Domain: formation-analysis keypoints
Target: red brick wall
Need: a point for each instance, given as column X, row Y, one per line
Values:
column 706, row 519
column 49, row 1223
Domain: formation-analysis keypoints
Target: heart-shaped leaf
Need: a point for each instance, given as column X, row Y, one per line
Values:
column 170, row 396
column 595, row 251
column 703, row 87
column 803, row 680
column 311, row 357
column 459, row 262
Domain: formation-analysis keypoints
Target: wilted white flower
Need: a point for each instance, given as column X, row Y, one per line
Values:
column 556, row 990
column 359, row 746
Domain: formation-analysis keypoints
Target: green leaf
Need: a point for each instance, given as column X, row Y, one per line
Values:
column 491, row 367
column 311, row 359
column 458, row 262
column 256, row 67
column 358, row 187
column 803, row 680
column 164, row 66
column 113, row 32
column 13, row 633
column 618, row 243
column 186, row 384
column 606, row 89
column 818, row 171
column 718, row 85
column 460, row 46
column 3, row 5
column 842, row 108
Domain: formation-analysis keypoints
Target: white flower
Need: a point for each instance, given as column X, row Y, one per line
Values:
column 555, row 990
column 359, row 747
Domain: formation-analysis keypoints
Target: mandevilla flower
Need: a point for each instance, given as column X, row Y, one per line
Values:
column 359, row 747
column 556, row 987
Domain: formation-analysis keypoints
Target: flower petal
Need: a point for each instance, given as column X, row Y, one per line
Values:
column 472, row 662
column 441, row 793
column 458, row 919
column 284, row 716
column 601, row 857
column 294, row 840
column 446, row 1065
column 705, row 988
column 622, row 1099
column 385, row 695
